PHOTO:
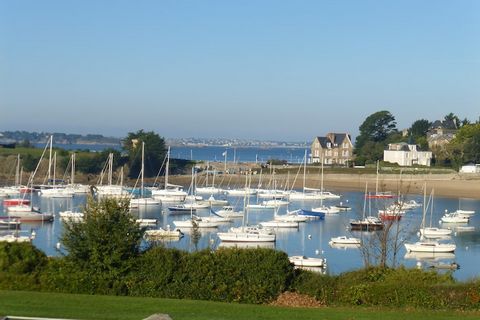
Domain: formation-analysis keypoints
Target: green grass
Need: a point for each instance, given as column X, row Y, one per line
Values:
column 21, row 303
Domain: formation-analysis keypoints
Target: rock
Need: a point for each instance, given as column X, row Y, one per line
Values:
column 158, row 316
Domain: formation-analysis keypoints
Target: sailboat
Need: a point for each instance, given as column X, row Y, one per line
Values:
column 279, row 221
column 143, row 201
column 209, row 189
column 369, row 223
column 170, row 192
column 54, row 191
column 431, row 246
column 76, row 187
column 313, row 194
column 246, row 233
column 111, row 190
column 431, row 232
column 26, row 212
column 327, row 210
column 378, row 194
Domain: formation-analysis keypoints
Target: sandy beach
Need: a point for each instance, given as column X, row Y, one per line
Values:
column 444, row 185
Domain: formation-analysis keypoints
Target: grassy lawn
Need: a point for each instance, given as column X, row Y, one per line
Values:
column 20, row 303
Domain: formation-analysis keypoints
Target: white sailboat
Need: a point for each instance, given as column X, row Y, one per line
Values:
column 111, row 190
column 431, row 232
column 312, row 194
column 170, row 192
column 55, row 191
column 246, row 233
column 143, row 201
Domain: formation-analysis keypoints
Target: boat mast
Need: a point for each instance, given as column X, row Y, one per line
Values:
column 376, row 181
column 17, row 171
column 167, row 167
column 54, row 168
column 50, row 161
column 143, row 167
column 72, row 178
column 304, row 169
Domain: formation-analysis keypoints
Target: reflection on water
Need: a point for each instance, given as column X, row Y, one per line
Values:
column 308, row 239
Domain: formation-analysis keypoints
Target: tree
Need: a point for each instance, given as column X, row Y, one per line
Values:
column 419, row 128
column 374, row 132
column 465, row 147
column 155, row 152
column 105, row 245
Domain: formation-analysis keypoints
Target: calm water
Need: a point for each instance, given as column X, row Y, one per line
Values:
column 308, row 239
column 251, row 154
column 292, row 155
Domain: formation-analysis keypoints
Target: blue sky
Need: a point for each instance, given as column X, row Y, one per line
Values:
column 281, row 70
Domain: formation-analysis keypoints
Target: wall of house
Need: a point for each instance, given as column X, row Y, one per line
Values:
column 408, row 158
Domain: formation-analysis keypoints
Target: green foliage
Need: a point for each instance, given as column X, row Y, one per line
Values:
column 20, row 266
column 93, row 163
column 105, row 244
column 465, row 147
column 419, row 128
column 400, row 287
column 250, row 276
column 155, row 152
column 374, row 132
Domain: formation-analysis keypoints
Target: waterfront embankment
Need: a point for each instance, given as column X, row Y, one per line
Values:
column 450, row 185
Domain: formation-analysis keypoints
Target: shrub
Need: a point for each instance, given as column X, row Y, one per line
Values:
column 20, row 266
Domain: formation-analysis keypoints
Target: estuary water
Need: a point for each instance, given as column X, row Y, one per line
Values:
column 211, row 153
column 309, row 239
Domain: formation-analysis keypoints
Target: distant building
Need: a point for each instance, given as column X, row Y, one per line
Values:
column 441, row 133
column 334, row 149
column 406, row 155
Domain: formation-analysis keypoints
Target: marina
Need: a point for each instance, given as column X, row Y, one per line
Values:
column 309, row 238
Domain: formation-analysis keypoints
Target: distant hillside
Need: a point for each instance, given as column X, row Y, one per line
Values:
column 59, row 138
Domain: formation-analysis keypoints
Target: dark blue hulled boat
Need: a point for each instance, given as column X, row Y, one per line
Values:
column 312, row 214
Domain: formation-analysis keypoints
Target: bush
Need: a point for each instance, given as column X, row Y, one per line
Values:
column 20, row 266
column 250, row 276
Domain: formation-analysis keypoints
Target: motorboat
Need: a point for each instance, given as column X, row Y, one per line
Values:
column 327, row 210
column 312, row 214
column 227, row 212
column 28, row 213
column 434, row 232
column 240, row 192
column 345, row 240
column 279, row 224
column 196, row 221
column 430, row 246
column 182, row 208
column 160, row 233
column 454, row 217
column 303, row 261
column 145, row 223
column 275, row 203
column 248, row 234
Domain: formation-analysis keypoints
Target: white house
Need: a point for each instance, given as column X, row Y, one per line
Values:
column 406, row 155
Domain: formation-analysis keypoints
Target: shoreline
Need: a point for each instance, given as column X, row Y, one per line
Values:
column 445, row 185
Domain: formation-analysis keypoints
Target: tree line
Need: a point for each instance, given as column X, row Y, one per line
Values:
column 380, row 129
column 128, row 157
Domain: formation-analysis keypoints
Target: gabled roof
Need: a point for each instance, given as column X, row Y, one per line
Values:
column 445, row 124
column 333, row 138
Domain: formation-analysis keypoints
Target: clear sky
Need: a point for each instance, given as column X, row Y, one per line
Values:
column 281, row 70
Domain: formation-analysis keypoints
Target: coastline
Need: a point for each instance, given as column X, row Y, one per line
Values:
column 445, row 185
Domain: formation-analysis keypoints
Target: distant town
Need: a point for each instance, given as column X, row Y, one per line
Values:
column 9, row 137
